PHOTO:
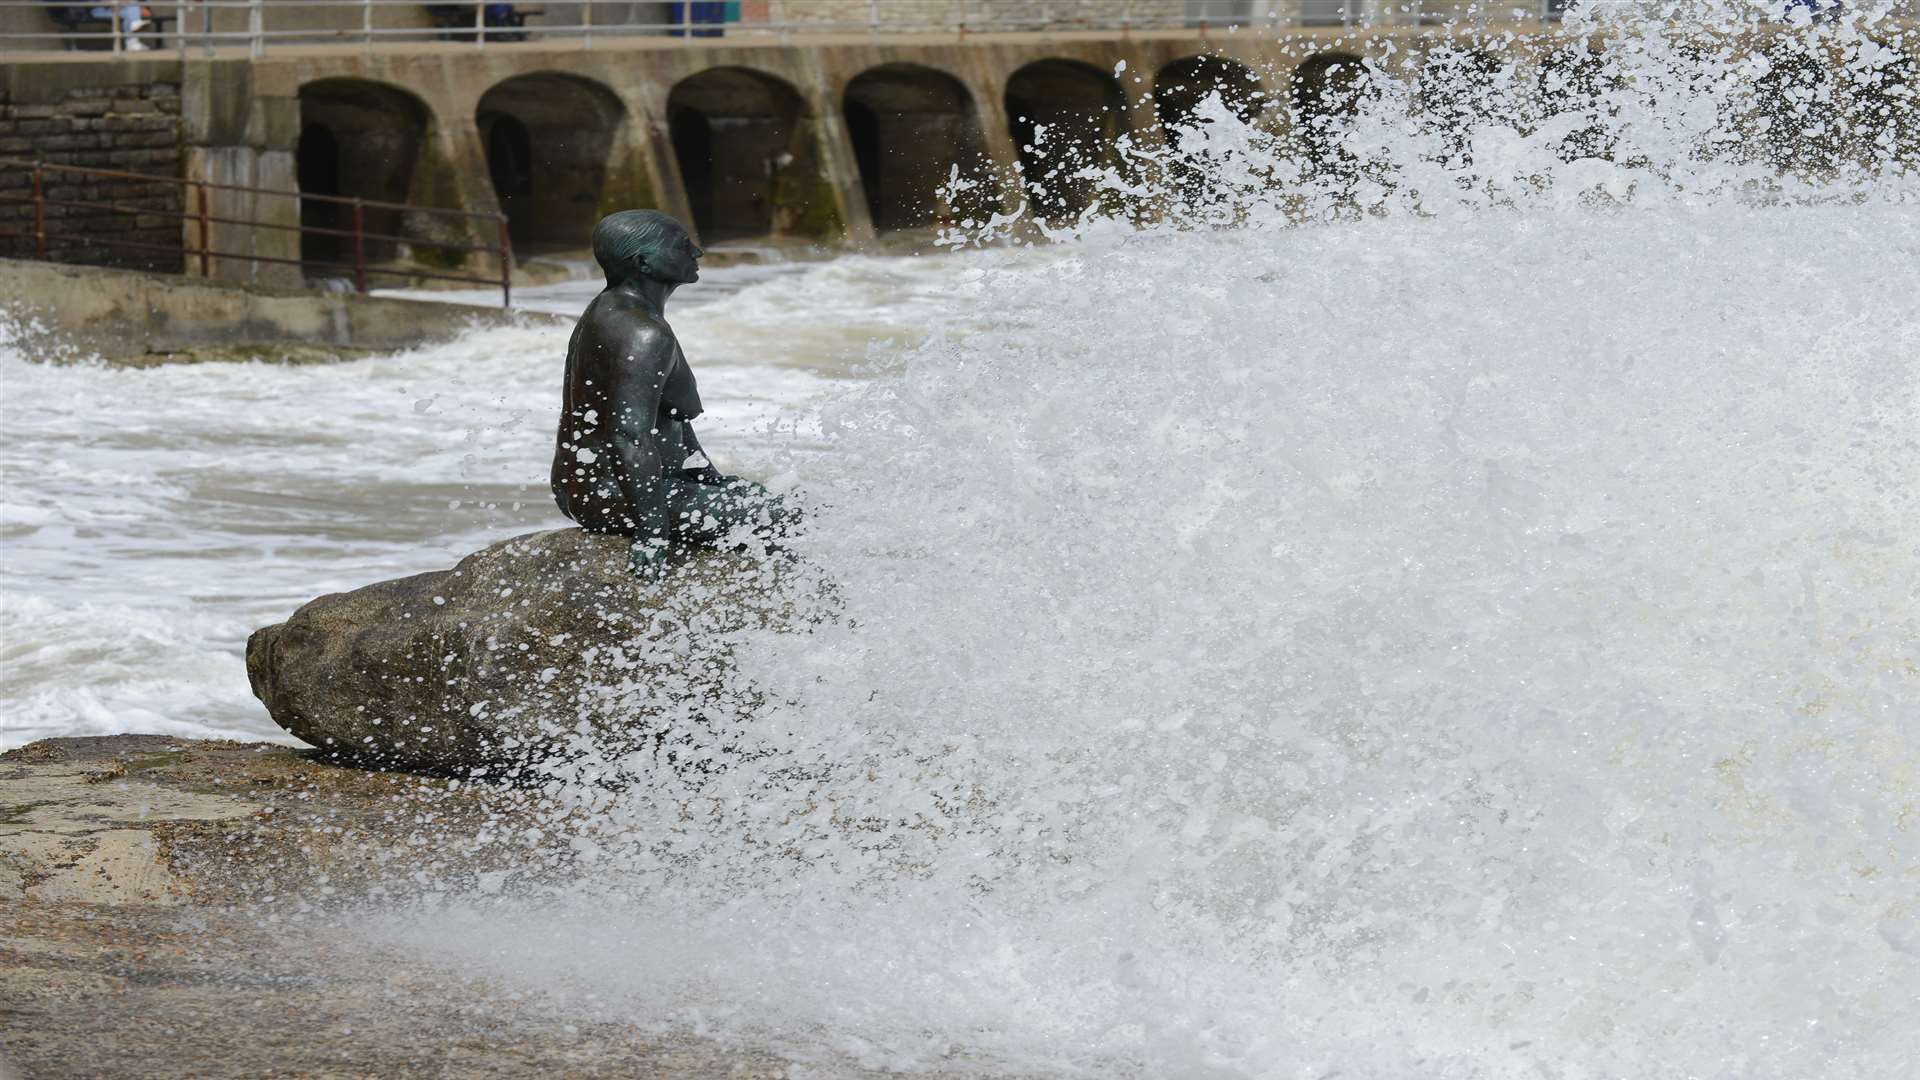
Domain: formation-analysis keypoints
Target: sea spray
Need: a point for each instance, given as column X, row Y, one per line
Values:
column 1426, row 601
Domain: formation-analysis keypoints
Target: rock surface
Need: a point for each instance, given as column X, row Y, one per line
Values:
column 504, row 657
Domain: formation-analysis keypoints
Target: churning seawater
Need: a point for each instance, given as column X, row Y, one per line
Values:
column 152, row 518
column 1448, row 607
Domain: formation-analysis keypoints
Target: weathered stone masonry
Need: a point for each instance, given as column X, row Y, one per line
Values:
column 134, row 126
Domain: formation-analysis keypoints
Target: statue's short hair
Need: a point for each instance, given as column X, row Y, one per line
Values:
column 624, row 237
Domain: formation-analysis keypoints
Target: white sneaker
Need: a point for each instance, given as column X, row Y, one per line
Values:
column 136, row 45
column 138, row 25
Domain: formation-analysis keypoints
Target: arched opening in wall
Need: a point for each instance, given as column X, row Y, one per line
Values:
column 1810, row 115
column 1181, row 87
column 1459, row 90
column 1329, row 85
column 1795, row 123
column 548, row 137
column 1328, row 90
column 749, row 158
column 1884, row 104
column 358, row 140
column 1573, row 80
column 1066, row 117
column 911, row 126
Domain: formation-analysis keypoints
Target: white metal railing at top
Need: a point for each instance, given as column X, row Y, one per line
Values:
column 188, row 26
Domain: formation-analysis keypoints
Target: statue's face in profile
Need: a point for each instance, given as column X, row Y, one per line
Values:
column 676, row 260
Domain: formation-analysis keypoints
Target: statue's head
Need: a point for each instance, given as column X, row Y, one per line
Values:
column 631, row 244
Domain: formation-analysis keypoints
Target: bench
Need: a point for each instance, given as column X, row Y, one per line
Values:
column 75, row 19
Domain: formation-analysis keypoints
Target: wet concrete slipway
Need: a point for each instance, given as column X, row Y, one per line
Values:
column 173, row 908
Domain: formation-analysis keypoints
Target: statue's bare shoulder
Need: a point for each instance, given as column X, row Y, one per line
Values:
column 624, row 329
column 613, row 307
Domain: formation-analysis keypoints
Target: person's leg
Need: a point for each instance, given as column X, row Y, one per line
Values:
column 133, row 19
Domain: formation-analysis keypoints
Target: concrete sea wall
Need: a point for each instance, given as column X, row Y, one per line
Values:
column 128, row 315
column 819, row 137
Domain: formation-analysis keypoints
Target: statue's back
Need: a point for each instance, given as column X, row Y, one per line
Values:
column 585, row 479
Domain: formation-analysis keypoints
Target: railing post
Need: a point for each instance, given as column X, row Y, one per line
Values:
column 506, row 265
column 39, row 215
column 113, row 20
column 206, row 228
column 366, row 24
column 180, row 28
column 586, row 24
column 256, row 25
column 479, row 26
column 359, row 247
column 206, row 29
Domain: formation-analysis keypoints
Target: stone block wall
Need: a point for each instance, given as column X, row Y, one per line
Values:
column 133, row 129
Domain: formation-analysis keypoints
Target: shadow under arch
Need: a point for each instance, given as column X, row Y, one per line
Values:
column 749, row 156
column 548, row 136
column 1066, row 116
column 910, row 126
column 1181, row 85
column 359, row 139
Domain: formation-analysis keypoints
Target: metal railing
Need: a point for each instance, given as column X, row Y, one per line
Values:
column 204, row 26
column 199, row 219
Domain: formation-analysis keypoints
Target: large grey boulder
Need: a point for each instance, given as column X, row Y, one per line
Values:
column 534, row 646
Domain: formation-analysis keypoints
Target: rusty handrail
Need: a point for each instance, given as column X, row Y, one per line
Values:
column 343, row 200
column 197, row 211
column 215, row 219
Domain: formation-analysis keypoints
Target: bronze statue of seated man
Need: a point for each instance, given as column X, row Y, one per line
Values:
column 626, row 460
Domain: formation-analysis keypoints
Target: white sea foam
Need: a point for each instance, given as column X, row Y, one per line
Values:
column 154, row 517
